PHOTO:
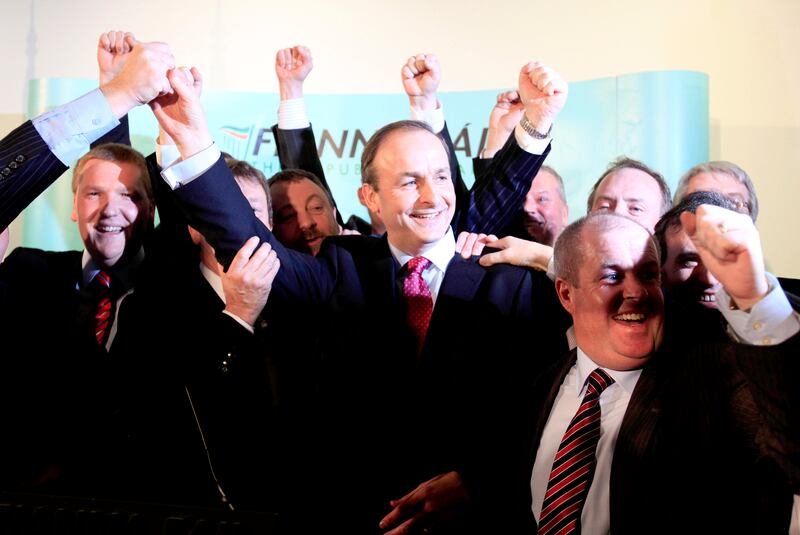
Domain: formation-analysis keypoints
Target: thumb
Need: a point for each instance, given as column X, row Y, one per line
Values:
column 494, row 258
column 181, row 80
column 244, row 254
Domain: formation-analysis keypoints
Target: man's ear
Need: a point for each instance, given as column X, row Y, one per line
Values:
column 360, row 193
column 74, row 216
column 565, row 295
column 370, row 196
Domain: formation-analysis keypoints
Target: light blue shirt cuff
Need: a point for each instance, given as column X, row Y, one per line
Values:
column 771, row 321
column 69, row 129
column 184, row 171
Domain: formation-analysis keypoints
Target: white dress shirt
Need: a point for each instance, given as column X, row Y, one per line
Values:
column 440, row 256
column 595, row 517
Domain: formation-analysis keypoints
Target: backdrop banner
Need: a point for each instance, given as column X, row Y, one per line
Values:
column 660, row 118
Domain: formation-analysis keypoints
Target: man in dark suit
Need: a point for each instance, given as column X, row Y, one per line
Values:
column 670, row 438
column 399, row 399
column 95, row 408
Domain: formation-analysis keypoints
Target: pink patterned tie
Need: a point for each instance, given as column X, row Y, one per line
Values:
column 418, row 299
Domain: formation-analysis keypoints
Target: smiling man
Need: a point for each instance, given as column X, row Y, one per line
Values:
column 629, row 428
column 545, row 208
column 686, row 280
column 112, row 204
column 398, row 380
column 304, row 210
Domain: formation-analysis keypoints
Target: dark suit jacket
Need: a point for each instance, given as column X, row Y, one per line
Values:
column 487, row 207
column 709, row 443
column 117, row 424
column 28, row 167
column 391, row 420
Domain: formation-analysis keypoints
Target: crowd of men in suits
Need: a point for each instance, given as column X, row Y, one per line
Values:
column 629, row 372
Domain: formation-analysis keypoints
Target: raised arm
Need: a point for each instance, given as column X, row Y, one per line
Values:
column 294, row 137
column 36, row 153
column 421, row 76
column 500, row 192
column 211, row 200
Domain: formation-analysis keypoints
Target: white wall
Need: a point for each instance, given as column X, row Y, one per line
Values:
column 747, row 48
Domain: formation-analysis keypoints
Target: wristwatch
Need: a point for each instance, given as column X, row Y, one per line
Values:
column 529, row 128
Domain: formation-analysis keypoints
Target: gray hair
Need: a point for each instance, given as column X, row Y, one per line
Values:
column 728, row 168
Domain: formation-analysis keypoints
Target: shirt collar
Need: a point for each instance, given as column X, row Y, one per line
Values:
column 214, row 280
column 123, row 276
column 440, row 254
column 626, row 379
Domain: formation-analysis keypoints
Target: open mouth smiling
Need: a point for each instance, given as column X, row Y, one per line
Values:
column 631, row 317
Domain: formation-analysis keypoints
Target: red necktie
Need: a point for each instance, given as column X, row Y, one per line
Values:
column 102, row 317
column 573, row 466
column 418, row 298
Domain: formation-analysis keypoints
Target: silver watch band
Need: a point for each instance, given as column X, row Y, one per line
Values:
column 531, row 131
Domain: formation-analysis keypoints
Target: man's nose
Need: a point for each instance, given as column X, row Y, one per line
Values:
column 305, row 221
column 704, row 275
column 427, row 193
column 632, row 288
column 110, row 205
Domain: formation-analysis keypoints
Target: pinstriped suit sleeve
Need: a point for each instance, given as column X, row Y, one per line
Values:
column 500, row 192
column 27, row 168
column 297, row 149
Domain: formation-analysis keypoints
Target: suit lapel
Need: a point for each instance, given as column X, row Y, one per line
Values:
column 636, row 435
column 461, row 282
column 543, row 397
column 546, row 389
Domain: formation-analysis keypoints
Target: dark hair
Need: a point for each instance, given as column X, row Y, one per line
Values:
column 296, row 175
column 623, row 162
column 244, row 171
column 671, row 221
column 378, row 138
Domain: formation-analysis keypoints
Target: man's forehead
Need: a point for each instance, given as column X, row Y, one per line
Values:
column 620, row 239
column 404, row 144
column 98, row 170
column 631, row 181
column 678, row 240
column 299, row 186
column 714, row 180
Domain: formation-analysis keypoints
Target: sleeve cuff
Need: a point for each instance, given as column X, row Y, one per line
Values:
column 433, row 118
column 551, row 268
column 292, row 114
column 184, row 171
column 167, row 155
column 69, row 129
column 530, row 144
column 240, row 321
column 771, row 321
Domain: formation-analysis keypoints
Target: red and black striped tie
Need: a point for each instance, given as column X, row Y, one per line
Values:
column 102, row 317
column 573, row 466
